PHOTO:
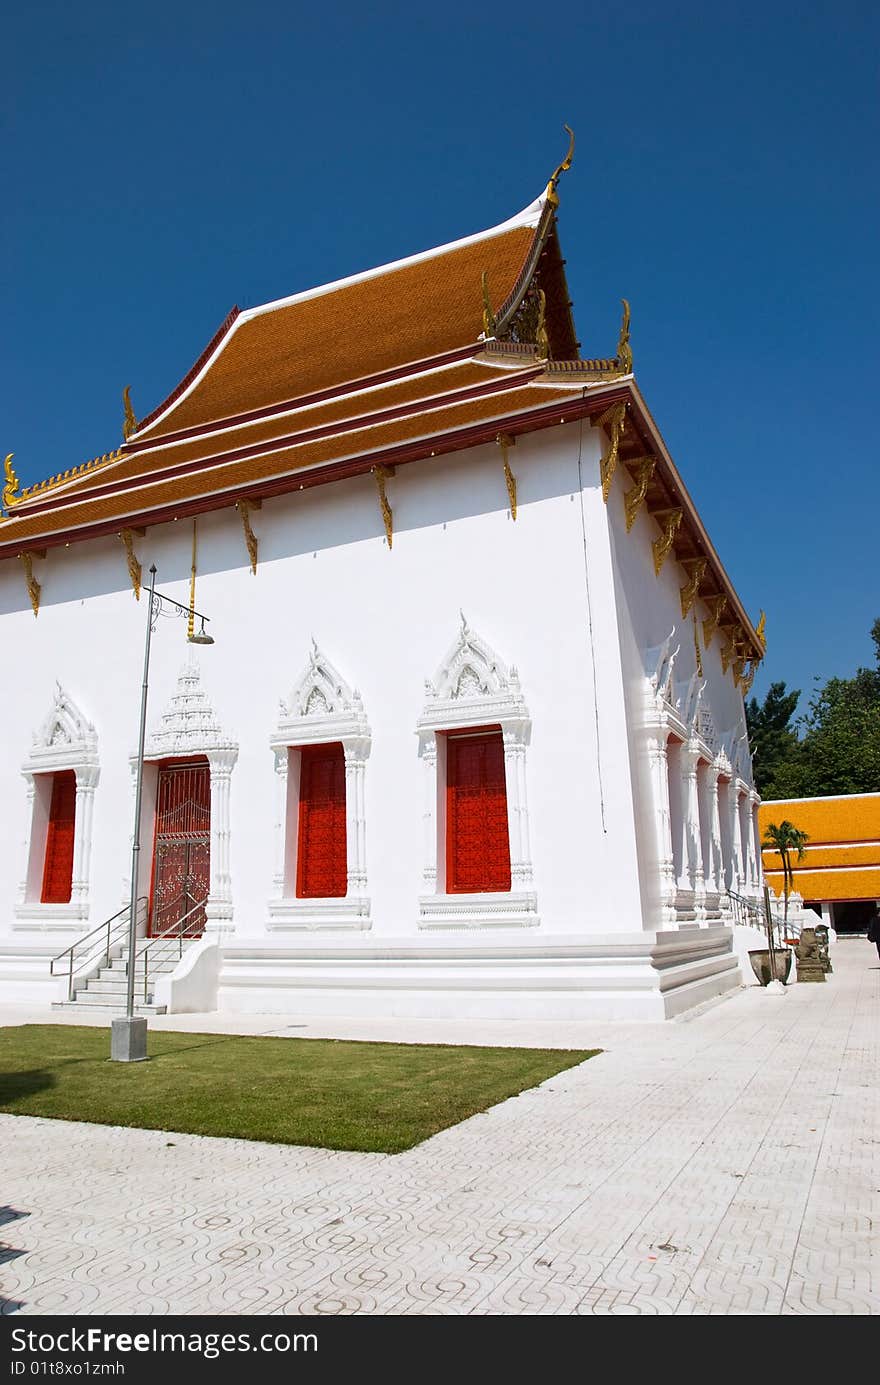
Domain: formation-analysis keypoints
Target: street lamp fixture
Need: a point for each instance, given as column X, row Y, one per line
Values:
column 128, row 1034
column 202, row 637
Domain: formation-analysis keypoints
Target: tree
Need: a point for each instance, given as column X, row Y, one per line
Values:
column 772, row 737
column 835, row 746
column 785, row 838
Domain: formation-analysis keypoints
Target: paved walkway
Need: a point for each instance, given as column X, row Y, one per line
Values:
column 726, row 1162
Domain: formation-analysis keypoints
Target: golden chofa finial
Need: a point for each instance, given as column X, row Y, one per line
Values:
column 760, row 631
column 624, row 356
column 10, row 483
column 551, row 194
column 129, row 425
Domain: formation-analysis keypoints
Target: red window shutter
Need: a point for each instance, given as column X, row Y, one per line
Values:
column 321, row 871
column 58, row 865
column 477, row 837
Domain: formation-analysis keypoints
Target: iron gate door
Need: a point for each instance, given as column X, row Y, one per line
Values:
column 182, row 853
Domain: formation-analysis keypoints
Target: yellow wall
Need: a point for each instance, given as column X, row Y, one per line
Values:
column 842, row 859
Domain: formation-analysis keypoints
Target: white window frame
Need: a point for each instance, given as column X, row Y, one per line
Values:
column 66, row 740
column 322, row 709
column 473, row 687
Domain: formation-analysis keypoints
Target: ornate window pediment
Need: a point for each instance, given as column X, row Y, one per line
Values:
column 65, row 739
column 189, row 725
column 471, row 686
column 321, row 707
column 660, row 669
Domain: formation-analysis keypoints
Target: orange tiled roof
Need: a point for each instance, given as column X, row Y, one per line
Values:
column 842, row 857
column 410, row 313
column 221, row 475
column 848, row 818
column 413, row 392
column 832, row 884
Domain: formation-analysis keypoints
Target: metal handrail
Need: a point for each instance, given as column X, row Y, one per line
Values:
column 166, row 935
column 751, row 911
column 113, row 936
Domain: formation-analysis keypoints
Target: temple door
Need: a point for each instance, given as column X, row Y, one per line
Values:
column 182, row 853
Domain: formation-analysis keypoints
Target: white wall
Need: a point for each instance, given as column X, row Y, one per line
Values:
column 385, row 619
column 648, row 608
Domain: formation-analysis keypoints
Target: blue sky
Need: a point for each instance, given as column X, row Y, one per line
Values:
column 162, row 162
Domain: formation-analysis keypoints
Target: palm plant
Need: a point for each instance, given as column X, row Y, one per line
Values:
column 785, row 839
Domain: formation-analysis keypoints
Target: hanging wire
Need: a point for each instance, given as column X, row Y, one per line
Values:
column 590, row 618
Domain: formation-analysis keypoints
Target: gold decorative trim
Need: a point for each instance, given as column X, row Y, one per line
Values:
column 191, row 623
column 697, row 649
column 696, row 567
column 670, row 523
column 542, row 341
column 10, row 483
column 760, row 631
column 624, row 358
column 134, row 567
column 382, row 473
column 633, row 499
column 489, row 323
column 504, row 441
column 730, row 652
column 748, row 680
column 613, row 421
column 716, row 605
column 70, row 475
column 129, row 424
column 551, row 194
column 33, row 585
column 244, row 508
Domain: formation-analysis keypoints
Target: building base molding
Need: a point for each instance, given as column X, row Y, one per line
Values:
column 311, row 915
column 507, row 910
column 628, row 976
column 24, row 974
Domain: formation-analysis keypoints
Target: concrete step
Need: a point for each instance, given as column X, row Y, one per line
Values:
column 111, row 1006
column 112, row 988
column 116, row 970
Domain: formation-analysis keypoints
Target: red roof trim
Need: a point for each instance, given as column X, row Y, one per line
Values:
column 508, row 381
column 222, row 330
column 304, row 400
column 561, row 410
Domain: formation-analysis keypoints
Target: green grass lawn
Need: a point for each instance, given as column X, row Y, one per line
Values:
column 339, row 1095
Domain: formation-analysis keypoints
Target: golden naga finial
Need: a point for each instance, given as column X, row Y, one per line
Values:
column 551, row 194
column 10, row 483
column 129, row 425
column 488, row 315
column 624, row 356
column 760, row 630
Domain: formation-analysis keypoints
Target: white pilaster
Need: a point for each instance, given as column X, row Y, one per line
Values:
column 690, row 756
column 657, row 738
column 218, row 909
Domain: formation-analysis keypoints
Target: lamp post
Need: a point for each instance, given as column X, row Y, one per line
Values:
column 128, row 1034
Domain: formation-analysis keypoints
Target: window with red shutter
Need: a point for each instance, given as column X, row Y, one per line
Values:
column 477, row 837
column 58, row 864
column 321, row 844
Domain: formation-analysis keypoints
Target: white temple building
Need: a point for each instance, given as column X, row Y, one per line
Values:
column 470, row 740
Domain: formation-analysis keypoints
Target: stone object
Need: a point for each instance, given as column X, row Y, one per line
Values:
column 824, row 954
column 128, row 1039
column 809, row 962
